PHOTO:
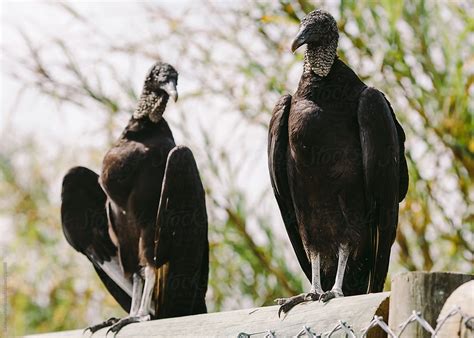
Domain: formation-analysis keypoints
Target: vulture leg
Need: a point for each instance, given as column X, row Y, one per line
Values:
column 136, row 297
column 141, row 300
column 316, row 275
column 314, row 294
column 150, row 279
column 336, row 290
column 136, row 293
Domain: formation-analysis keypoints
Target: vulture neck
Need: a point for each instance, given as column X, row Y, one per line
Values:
column 151, row 105
column 319, row 58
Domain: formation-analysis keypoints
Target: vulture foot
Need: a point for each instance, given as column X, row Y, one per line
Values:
column 126, row 321
column 288, row 303
column 97, row 327
column 328, row 295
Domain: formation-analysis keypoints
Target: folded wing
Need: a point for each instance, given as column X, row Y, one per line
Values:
column 182, row 248
column 277, row 164
column 85, row 226
column 385, row 177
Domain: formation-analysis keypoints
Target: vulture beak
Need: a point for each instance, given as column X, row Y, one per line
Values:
column 170, row 89
column 299, row 40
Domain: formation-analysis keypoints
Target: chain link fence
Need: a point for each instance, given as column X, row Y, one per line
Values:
column 377, row 321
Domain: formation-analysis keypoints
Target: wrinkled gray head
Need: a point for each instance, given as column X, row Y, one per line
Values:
column 319, row 31
column 160, row 85
column 162, row 77
column 318, row 28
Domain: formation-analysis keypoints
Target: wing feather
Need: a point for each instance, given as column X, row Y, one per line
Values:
column 277, row 164
column 382, row 142
column 85, row 226
column 182, row 248
column 403, row 167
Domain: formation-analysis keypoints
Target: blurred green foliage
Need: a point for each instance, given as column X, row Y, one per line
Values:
column 420, row 53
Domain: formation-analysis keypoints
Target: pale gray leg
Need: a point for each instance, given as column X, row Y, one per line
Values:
column 316, row 275
column 137, row 289
column 288, row 303
column 150, row 278
column 136, row 294
column 341, row 267
column 141, row 300
column 336, row 290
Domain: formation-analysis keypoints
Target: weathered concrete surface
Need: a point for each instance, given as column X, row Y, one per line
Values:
column 357, row 311
column 455, row 326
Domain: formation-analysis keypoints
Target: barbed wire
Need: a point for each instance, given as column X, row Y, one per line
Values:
column 377, row 321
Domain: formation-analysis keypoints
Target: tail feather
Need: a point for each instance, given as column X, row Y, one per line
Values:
column 160, row 287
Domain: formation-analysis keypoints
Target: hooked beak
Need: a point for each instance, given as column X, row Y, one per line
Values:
column 170, row 89
column 299, row 40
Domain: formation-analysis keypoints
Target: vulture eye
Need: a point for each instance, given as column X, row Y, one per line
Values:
column 160, row 78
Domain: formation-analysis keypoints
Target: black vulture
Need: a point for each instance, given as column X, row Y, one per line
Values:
column 143, row 222
column 338, row 170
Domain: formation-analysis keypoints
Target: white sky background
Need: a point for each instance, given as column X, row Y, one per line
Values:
column 37, row 114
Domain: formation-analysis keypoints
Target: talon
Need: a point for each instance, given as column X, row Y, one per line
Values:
column 279, row 311
column 280, row 301
column 94, row 328
column 113, row 330
column 288, row 303
column 126, row 321
column 327, row 296
column 109, row 330
column 312, row 296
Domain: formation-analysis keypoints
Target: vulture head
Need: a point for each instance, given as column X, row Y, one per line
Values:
column 160, row 85
column 318, row 28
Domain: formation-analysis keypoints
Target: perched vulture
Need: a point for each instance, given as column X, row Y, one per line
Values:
column 143, row 222
column 338, row 170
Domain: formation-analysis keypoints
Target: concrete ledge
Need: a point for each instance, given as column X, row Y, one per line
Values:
column 357, row 311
